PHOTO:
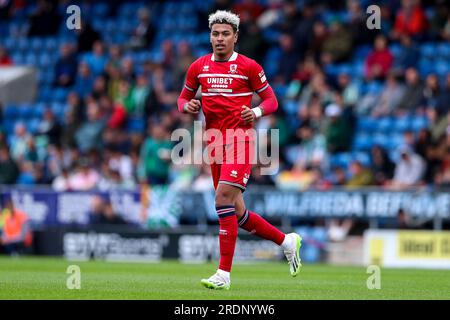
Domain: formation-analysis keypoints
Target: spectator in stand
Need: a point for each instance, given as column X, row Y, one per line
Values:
column 390, row 98
column 438, row 20
column 114, row 113
column 338, row 45
column 442, row 99
column 71, row 125
column 379, row 61
column 184, row 59
column 430, row 92
column 409, row 54
column 5, row 60
column 349, row 89
column 289, row 58
column 445, row 34
column 84, row 81
column 9, row 170
column 357, row 23
column 142, row 97
column 49, row 128
column 97, row 59
column 44, row 21
column 312, row 151
column 409, row 171
column 87, row 36
column 410, row 20
column 88, row 135
column 360, row 176
column 248, row 8
column 317, row 88
column 66, row 67
column 338, row 130
column 255, row 45
column 382, row 166
column 145, row 32
column 19, row 141
column 155, row 156
column 85, row 177
column 317, row 38
column 412, row 96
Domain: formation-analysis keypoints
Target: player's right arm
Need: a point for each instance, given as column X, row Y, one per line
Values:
column 186, row 102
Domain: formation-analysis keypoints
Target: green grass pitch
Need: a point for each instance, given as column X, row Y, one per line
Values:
column 45, row 278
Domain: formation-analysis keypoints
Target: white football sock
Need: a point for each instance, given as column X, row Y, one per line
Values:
column 224, row 274
column 287, row 242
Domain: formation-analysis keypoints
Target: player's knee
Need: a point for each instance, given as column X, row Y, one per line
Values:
column 225, row 197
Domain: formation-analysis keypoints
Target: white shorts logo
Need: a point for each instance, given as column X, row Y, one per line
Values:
column 233, row 174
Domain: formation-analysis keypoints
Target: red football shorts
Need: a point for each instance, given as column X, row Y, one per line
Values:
column 232, row 164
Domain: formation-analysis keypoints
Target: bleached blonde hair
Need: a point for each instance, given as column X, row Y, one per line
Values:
column 226, row 17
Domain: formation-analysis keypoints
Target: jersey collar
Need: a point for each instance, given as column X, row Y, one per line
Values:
column 232, row 58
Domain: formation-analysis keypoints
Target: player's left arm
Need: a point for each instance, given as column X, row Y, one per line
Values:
column 260, row 85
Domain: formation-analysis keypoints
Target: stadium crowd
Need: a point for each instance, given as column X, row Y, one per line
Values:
column 358, row 106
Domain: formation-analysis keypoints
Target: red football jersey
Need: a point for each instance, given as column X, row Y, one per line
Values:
column 226, row 86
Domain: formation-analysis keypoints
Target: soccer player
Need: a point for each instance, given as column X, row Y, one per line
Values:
column 228, row 81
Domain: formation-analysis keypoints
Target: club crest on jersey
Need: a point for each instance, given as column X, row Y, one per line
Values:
column 233, row 68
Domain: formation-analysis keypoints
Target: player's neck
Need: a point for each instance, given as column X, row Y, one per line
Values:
column 224, row 57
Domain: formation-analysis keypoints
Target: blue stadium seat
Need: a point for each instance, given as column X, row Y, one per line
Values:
column 428, row 50
column 33, row 125
column 17, row 58
column 37, row 44
column 442, row 67
column 425, row 66
column 38, row 110
column 395, row 141
column 362, row 142
column 384, row 124
column 60, row 94
column 341, row 160
column 11, row 112
column 402, row 124
column 100, row 9
column 361, row 52
column 45, row 60
column 30, row 59
column 26, row 111
column 381, row 139
column 51, row 44
column 419, row 123
column 45, row 94
column 443, row 50
column 362, row 157
column 135, row 125
column 395, row 49
column 367, row 124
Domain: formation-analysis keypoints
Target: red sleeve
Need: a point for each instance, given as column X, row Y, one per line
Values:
column 190, row 87
column 259, row 84
column 257, row 78
column 269, row 103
